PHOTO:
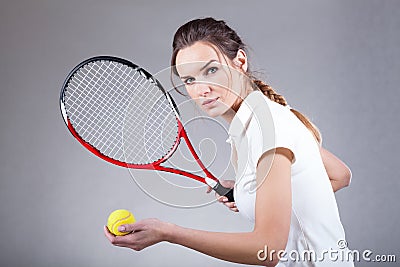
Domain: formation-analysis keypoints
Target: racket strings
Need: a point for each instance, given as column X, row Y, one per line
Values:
column 121, row 113
column 104, row 126
column 116, row 100
column 102, row 95
column 157, row 134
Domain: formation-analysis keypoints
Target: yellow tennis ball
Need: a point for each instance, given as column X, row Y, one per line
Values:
column 117, row 218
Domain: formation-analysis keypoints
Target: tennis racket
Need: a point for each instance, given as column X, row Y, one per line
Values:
column 122, row 114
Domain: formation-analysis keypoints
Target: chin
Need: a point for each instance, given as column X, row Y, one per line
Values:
column 213, row 113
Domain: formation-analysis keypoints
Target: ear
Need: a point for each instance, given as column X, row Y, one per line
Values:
column 240, row 60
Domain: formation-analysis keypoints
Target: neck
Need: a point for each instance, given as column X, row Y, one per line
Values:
column 230, row 114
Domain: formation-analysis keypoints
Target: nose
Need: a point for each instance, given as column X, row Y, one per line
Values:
column 202, row 89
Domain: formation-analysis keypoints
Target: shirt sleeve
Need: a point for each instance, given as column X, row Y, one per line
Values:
column 272, row 126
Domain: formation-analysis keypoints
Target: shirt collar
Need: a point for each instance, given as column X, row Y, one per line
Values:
column 244, row 114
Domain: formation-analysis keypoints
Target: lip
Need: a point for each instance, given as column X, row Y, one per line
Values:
column 211, row 101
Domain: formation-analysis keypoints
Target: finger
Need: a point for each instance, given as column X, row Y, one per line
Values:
column 107, row 233
column 112, row 238
column 134, row 240
column 230, row 204
column 120, row 241
column 127, row 228
column 234, row 209
column 222, row 199
column 209, row 189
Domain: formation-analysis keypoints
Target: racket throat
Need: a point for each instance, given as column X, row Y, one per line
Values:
column 211, row 182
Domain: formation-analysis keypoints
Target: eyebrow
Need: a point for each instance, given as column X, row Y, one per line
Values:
column 202, row 68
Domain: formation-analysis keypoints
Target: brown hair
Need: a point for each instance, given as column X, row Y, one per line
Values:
column 227, row 41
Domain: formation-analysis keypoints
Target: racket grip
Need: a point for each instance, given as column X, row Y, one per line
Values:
column 224, row 191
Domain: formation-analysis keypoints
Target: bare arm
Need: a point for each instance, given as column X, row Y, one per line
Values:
column 273, row 211
column 272, row 221
column 338, row 172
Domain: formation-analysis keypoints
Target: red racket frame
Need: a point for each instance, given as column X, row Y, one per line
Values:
column 155, row 165
column 216, row 185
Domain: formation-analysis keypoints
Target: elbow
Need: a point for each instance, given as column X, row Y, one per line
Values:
column 271, row 254
column 273, row 263
column 342, row 178
column 280, row 251
column 267, row 258
column 347, row 175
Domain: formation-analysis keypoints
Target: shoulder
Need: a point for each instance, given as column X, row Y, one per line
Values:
column 275, row 126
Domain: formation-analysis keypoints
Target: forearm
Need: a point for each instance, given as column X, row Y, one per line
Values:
column 272, row 219
column 339, row 179
column 337, row 185
column 338, row 172
column 234, row 247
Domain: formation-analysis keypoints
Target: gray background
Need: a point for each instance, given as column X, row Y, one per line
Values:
column 337, row 61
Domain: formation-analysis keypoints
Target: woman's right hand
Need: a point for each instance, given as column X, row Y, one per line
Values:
column 223, row 199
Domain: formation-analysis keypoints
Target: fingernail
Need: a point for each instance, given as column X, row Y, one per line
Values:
column 121, row 228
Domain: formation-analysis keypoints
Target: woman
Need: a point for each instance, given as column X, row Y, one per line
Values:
column 293, row 208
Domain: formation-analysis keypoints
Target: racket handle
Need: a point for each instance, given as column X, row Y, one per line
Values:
column 224, row 191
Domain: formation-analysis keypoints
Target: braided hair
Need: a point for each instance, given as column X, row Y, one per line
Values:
column 227, row 41
column 280, row 99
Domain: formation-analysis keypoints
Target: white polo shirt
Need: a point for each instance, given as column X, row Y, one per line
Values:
column 261, row 125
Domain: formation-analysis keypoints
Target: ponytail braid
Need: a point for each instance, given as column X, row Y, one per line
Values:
column 228, row 42
column 270, row 92
column 280, row 99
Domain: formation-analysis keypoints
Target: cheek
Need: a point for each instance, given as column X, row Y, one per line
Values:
column 189, row 91
column 220, row 80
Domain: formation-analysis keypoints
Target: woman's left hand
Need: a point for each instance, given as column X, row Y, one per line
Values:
column 223, row 199
column 142, row 234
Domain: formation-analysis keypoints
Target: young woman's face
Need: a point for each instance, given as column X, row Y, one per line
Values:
column 211, row 81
